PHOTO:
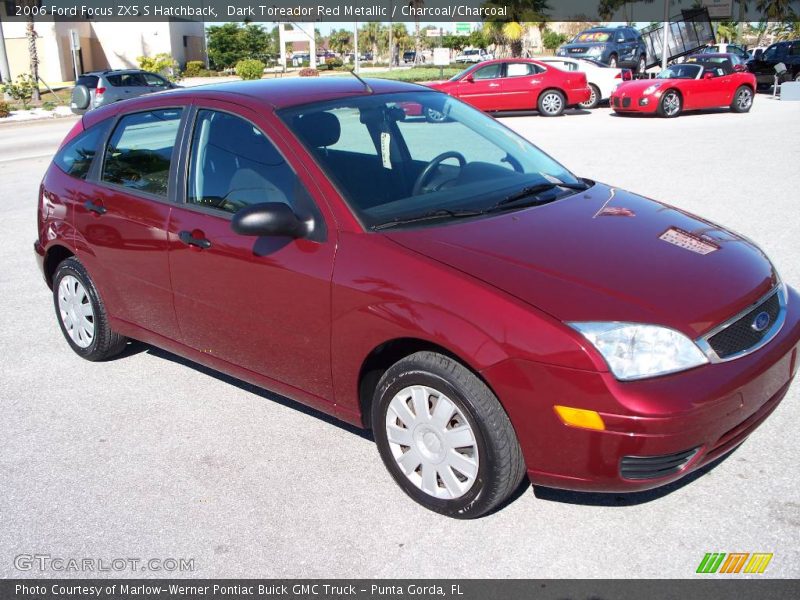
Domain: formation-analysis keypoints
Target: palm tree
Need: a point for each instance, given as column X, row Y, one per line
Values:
column 788, row 30
column 775, row 10
column 371, row 33
column 520, row 13
column 415, row 4
column 33, row 51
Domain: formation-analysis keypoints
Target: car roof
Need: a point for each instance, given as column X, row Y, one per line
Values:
column 114, row 72
column 286, row 92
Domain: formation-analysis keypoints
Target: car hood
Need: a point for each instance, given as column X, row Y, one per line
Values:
column 582, row 45
column 606, row 255
column 638, row 86
column 441, row 85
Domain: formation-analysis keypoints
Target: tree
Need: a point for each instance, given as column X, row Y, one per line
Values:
column 33, row 51
column 417, row 4
column 257, row 42
column 552, row 40
column 775, row 10
column 727, row 31
column 232, row 42
column 371, row 34
column 340, row 41
column 455, row 42
column 788, row 30
column 519, row 14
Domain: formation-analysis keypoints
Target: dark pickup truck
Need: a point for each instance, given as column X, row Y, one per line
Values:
column 763, row 64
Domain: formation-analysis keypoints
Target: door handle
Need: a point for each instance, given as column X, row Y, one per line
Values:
column 188, row 238
column 98, row 209
column 494, row 85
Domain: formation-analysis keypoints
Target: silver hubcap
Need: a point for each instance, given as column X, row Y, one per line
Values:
column 76, row 312
column 671, row 103
column 551, row 103
column 612, row 62
column 744, row 99
column 432, row 442
column 435, row 115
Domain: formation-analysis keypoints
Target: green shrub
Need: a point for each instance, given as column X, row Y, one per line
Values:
column 334, row 63
column 21, row 90
column 194, row 68
column 5, row 109
column 162, row 64
column 250, row 69
column 49, row 105
column 308, row 72
column 552, row 40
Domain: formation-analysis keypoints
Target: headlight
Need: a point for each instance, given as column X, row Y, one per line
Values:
column 636, row 351
column 595, row 51
column 561, row 52
column 651, row 89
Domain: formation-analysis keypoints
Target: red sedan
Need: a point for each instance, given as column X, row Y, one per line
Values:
column 518, row 84
column 703, row 81
column 486, row 312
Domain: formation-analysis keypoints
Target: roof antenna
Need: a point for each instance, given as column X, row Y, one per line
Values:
column 366, row 85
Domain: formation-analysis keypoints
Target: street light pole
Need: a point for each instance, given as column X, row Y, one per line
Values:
column 665, row 37
column 356, row 66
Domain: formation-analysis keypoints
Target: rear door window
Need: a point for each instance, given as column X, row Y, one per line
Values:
column 139, row 152
column 154, row 80
column 76, row 157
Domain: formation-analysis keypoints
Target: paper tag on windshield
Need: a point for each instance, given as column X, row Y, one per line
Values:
column 386, row 145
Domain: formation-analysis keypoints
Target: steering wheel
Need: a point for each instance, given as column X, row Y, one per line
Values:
column 429, row 169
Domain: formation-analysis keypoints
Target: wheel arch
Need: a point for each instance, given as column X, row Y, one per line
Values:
column 54, row 256
column 383, row 356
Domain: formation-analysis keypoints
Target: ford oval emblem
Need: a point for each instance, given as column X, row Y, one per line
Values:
column 761, row 322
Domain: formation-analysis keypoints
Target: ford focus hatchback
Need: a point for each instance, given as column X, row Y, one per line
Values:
column 486, row 312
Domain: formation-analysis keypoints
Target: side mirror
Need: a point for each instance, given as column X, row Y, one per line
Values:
column 739, row 68
column 620, row 40
column 469, row 78
column 708, row 75
column 268, row 218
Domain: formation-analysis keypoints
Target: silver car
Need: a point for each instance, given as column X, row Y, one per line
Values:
column 99, row 88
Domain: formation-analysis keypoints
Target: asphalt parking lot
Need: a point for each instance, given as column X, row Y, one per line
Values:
column 149, row 456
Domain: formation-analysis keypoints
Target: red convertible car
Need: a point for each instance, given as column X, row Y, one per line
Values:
column 517, row 84
column 703, row 81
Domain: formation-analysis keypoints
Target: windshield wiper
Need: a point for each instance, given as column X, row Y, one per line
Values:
column 442, row 213
column 534, row 190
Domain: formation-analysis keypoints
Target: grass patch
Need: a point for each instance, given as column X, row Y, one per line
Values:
column 416, row 74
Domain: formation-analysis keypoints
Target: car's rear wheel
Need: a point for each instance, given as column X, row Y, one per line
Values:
column 612, row 61
column 444, row 436
column 594, row 99
column 670, row 105
column 551, row 103
column 742, row 99
column 82, row 315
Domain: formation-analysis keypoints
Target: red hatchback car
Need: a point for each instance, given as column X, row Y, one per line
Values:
column 510, row 84
column 703, row 81
column 486, row 312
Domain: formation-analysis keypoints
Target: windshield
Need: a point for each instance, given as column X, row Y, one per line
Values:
column 681, row 72
column 593, row 36
column 394, row 156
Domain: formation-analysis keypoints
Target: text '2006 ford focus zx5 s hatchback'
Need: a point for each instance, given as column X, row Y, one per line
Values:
column 486, row 312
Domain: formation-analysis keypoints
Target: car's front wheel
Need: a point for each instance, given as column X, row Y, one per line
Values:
column 551, row 103
column 81, row 313
column 444, row 436
column 641, row 66
column 742, row 99
column 670, row 105
column 612, row 61
column 594, row 99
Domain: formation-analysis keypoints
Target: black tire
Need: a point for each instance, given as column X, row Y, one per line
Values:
column 613, row 61
column 501, row 467
column 551, row 95
column 742, row 99
column 594, row 100
column 665, row 105
column 105, row 342
column 81, row 96
column 641, row 66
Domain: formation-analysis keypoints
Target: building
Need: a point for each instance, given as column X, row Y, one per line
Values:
column 102, row 45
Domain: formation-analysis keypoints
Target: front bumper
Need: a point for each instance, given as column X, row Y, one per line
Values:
column 709, row 410
column 636, row 103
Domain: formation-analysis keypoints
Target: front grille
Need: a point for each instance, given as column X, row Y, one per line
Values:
column 577, row 50
column 653, row 467
column 741, row 335
column 626, row 102
column 616, row 100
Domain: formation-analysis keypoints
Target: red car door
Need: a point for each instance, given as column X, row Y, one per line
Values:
column 483, row 88
column 522, row 84
column 121, row 219
column 259, row 303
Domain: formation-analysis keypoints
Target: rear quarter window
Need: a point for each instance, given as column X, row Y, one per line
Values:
column 76, row 157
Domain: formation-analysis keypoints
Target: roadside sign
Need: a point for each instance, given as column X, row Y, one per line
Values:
column 441, row 57
column 463, row 28
column 433, row 32
column 74, row 39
